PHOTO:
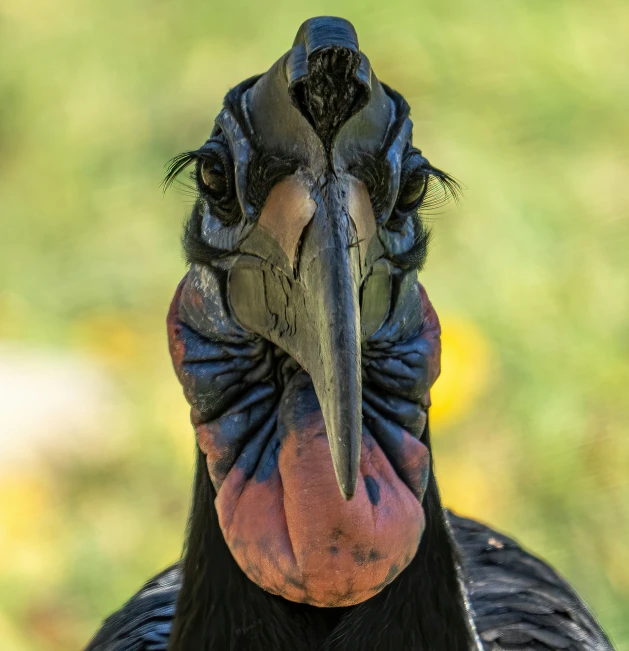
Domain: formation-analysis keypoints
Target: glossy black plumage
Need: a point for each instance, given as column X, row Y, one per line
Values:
column 519, row 602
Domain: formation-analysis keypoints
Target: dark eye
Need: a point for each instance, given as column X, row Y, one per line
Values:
column 413, row 192
column 214, row 177
column 215, row 172
column 413, row 183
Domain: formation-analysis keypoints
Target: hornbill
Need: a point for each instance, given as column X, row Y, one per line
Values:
column 306, row 348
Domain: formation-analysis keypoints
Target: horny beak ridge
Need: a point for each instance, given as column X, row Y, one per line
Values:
column 329, row 269
column 301, row 291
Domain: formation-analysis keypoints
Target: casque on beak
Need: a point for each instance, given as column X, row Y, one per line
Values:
column 297, row 281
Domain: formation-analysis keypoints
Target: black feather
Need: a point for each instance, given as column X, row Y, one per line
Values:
column 220, row 608
column 518, row 603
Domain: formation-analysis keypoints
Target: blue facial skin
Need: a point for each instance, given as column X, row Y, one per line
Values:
column 237, row 382
column 373, row 489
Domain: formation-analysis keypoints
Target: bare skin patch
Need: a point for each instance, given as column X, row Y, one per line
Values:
column 288, row 209
column 260, row 424
column 294, row 533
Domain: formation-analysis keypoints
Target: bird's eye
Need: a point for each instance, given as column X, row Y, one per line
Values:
column 413, row 192
column 413, row 184
column 214, row 177
column 216, row 174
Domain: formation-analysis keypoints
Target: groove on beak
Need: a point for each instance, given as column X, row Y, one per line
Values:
column 310, row 305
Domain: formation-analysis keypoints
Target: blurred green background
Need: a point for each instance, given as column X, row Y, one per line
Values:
column 525, row 102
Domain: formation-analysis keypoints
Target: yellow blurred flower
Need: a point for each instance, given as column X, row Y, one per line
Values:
column 465, row 365
column 467, row 488
column 109, row 336
column 28, row 540
column 175, row 412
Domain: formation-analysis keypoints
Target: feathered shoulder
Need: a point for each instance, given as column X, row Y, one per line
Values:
column 519, row 602
column 144, row 622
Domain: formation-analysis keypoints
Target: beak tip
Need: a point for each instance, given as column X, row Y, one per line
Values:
column 346, row 460
column 347, row 496
column 348, row 489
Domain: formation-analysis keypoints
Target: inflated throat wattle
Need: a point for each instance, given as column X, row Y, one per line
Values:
column 260, row 426
column 292, row 532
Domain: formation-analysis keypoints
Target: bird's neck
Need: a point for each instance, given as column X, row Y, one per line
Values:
column 220, row 608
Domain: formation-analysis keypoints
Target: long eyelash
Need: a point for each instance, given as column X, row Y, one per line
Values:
column 177, row 165
column 188, row 187
column 442, row 188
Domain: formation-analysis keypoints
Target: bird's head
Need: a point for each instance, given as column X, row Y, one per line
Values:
column 303, row 340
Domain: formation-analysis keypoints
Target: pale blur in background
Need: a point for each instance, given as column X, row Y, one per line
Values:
column 524, row 102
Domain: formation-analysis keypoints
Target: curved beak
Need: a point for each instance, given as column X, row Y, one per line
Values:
column 301, row 290
column 329, row 269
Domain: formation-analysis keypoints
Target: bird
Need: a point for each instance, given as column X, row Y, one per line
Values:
column 307, row 346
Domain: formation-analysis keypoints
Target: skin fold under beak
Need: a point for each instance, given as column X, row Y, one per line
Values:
column 297, row 284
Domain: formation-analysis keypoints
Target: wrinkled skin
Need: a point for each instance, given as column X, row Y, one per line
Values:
column 303, row 340
column 259, row 422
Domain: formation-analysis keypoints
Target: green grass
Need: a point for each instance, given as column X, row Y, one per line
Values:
column 524, row 102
